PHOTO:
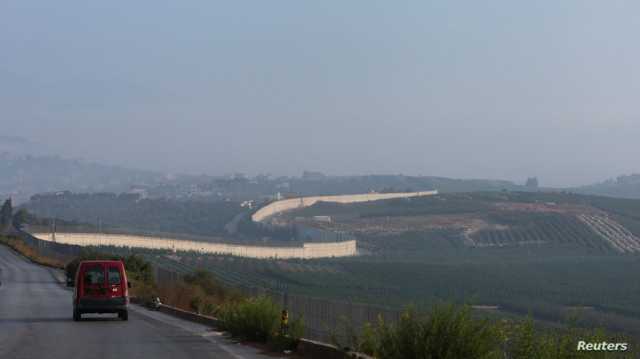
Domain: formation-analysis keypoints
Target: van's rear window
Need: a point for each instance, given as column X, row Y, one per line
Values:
column 114, row 275
column 94, row 275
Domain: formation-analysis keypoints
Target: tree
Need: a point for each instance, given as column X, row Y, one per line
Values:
column 532, row 182
column 6, row 214
column 139, row 268
column 21, row 217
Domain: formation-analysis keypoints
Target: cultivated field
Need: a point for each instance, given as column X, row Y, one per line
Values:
column 613, row 232
column 483, row 220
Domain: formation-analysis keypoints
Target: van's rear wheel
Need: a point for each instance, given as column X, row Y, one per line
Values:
column 124, row 315
column 76, row 316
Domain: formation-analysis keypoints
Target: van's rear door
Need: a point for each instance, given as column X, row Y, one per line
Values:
column 94, row 281
column 115, row 280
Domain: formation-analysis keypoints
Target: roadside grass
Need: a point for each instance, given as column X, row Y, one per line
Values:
column 253, row 319
column 258, row 319
column 452, row 332
column 199, row 292
column 19, row 246
column 446, row 331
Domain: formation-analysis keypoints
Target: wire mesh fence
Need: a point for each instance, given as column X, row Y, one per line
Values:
column 324, row 319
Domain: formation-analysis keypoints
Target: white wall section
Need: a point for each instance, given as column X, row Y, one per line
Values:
column 301, row 202
column 306, row 251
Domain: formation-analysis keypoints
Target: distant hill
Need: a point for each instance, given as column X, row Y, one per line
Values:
column 23, row 175
column 394, row 183
column 481, row 220
column 129, row 213
column 22, row 146
column 626, row 186
column 28, row 168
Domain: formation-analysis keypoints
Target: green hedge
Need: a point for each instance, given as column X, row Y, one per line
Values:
column 258, row 319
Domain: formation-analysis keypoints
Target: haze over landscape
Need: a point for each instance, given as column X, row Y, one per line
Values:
column 497, row 90
column 296, row 179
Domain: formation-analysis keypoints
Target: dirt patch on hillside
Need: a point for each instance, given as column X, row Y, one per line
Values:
column 398, row 225
column 467, row 224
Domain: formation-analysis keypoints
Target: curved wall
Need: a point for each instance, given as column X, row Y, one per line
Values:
column 301, row 202
column 306, row 251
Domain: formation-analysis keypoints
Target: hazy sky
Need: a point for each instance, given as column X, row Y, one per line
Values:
column 491, row 89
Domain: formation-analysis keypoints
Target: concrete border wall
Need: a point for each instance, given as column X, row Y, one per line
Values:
column 306, row 251
column 294, row 203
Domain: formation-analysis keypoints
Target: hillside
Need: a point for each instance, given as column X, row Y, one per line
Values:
column 133, row 214
column 627, row 186
column 22, row 176
column 491, row 220
column 393, row 183
column 553, row 255
column 523, row 252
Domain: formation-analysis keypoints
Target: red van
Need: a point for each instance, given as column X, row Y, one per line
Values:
column 101, row 286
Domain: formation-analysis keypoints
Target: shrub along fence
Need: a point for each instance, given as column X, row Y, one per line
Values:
column 328, row 320
column 324, row 319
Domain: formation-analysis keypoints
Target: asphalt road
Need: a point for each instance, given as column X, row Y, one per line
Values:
column 36, row 322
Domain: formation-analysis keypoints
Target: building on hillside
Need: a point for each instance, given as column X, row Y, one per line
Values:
column 140, row 191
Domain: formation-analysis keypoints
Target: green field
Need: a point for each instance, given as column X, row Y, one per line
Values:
column 547, row 263
column 543, row 261
column 601, row 289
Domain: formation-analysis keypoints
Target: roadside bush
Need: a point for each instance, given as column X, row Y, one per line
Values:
column 202, row 303
column 199, row 292
column 253, row 319
column 144, row 291
column 258, row 319
column 139, row 269
column 446, row 332
column 368, row 340
column 450, row 332
column 525, row 343
column 210, row 285
column 179, row 294
column 346, row 336
column 290, row 340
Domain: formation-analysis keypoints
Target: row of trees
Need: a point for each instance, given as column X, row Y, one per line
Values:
column 6, row 216
column 10, row 219
column 548, row 229
column 130, row 212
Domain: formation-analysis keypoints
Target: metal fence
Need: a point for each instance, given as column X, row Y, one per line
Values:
column 59, row 251
column 324, row 318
